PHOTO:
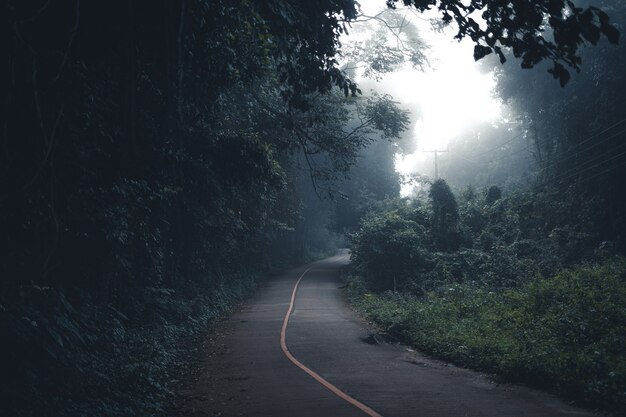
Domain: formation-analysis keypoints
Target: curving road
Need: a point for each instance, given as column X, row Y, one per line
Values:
column 246, row 373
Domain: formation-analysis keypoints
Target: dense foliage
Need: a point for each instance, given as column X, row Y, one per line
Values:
column 563, row 333
column 156, row 154
column 85, row 358
column 520, row 26
column 531, row 292
column 577, row 134
column 152, row 149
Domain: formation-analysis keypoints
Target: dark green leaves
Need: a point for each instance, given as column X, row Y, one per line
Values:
column 521, row 26
column 559, row 72
column 611, row 33
column 481, row 51
column 608, row 30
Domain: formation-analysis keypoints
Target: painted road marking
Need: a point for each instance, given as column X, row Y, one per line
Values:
column 313, row 374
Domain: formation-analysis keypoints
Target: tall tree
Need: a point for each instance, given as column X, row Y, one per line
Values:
column 445, row 218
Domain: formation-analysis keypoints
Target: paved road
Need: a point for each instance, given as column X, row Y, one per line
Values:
column 247, row 373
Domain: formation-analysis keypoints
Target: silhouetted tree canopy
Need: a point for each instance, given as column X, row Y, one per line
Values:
column 445, row 218
column 155, row 146
column 536, row 30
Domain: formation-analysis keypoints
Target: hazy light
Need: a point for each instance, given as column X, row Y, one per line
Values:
column 449, row 98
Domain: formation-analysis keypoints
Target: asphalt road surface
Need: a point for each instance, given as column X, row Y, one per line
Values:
column 244, row 372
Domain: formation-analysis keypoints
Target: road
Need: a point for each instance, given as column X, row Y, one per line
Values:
column 244, row 372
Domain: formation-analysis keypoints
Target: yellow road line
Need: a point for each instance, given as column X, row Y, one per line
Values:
column 313, row 374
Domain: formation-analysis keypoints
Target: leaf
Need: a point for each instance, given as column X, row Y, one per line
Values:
column 559, row 71
column 481, row 51
column 500, row 54
column 591, row 33
column 555, row 6
column 55, row 336
column 611, row 33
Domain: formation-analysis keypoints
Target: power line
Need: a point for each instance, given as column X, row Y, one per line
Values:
column 491, row 150
column 500, row 146
column 571, row 150
column 578, row 172
column 496, row 159
column 606, row 170
column 608, row 152
column 561, row 160
column 592, row 167
column 598, row 134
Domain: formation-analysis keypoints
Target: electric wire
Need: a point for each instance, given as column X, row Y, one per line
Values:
column 560, row 179
column 607, row 152
column 576, row 152
column 500, row 146
column 614, row 167
column 579, row 170
column 572, row 151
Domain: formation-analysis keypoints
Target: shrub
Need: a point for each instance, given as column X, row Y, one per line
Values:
column 565, row 333
column 389, row 249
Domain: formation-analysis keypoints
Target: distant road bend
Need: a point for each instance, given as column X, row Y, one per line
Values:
column 297, row 350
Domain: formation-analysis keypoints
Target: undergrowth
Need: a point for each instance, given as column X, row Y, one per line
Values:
column 75, row 356
column 565, row 333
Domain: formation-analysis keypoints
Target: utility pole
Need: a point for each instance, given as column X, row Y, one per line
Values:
column 436, row 166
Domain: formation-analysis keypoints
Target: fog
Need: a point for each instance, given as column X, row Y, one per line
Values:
column 450, row 97
column 161, row 161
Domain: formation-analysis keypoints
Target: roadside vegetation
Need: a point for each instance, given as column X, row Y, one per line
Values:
column 156, row 161
column 156, row 158
column 525, row 278
column 75, row 357
column 493, row 284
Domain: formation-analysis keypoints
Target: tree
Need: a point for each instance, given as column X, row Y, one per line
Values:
column 390, row 246
column 493, row 194
column 390, row 40
column 520, row 25
column 445, row 218
column 334, row 129
column 309, row 35
column 577, row 134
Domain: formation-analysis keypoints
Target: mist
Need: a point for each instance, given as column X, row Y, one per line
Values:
column 213, row 207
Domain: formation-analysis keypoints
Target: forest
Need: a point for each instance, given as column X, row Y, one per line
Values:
column 160, row 158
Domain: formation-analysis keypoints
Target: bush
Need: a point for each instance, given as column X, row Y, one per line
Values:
column 565, row 333
column 69, row 356
column 389, row 248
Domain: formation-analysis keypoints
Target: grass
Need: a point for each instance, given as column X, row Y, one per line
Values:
column 565, row 333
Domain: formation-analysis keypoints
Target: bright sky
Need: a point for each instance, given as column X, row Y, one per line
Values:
column 450, row 97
